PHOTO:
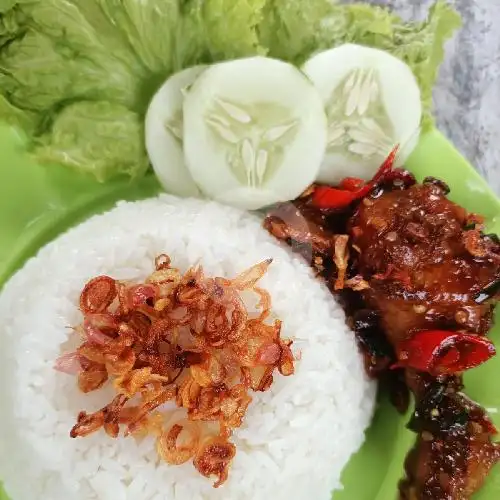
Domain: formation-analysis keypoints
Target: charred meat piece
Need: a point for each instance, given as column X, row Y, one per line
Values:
column 378, row 353
column 453, row 453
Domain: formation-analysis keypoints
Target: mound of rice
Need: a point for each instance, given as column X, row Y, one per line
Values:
column 296, row 438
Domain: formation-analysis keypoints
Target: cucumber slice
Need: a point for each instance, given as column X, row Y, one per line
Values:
column 372, row 101
column 164, row 134
column 254, row 132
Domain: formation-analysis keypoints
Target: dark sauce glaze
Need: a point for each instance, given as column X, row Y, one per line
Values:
column 453, row 452
column 429, row 267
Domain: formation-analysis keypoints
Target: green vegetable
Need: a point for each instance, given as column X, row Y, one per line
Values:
column 59, row 58
column 96, row 137
column 222, row 19
column 292, row 29
column 164, row 133
column 11, row 20
column 21, row 119
column 245, row 141
column 372, row 102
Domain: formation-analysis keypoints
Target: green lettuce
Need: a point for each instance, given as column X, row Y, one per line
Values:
column 12, row 20
column 98, row 137
column 226, row 40
column 77, row 75
column 291, row 29
column 17, row 117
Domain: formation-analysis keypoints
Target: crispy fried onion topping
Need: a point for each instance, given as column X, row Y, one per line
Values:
column 341, row 259
column 179, row 343
column 180, row 443
column 213, row 458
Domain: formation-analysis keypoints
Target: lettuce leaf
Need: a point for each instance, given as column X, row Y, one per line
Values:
column 291, row 29
column 97, row 137
column 187, row 33
column 137, row 21
column 227, row 39
column 12, row 20
column 118, row 52
column 11, row 5
column 91, row 51
column 77, row 75
column 425, row 58
column 19, row 118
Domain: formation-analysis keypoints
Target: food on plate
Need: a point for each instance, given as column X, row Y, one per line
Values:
column 164, row 133
column 295, row 438
column 186, row 338
column 418, row 278
column 254, row 132
column 231, row 131
column 63, row 60
column 427, row 260
column 196, row 371
column 74, row 141
column 372, row 101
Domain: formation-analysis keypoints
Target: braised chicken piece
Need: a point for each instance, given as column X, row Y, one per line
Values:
column 454, row 451
column 421, row 280
column 426, row 261
column 302, row 227
column 428, row 266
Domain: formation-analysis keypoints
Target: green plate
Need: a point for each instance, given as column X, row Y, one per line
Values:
column 37, row 203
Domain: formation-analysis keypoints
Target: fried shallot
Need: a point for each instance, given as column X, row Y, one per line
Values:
column 178, row 343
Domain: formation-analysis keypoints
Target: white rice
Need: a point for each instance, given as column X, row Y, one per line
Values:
column 296, row 438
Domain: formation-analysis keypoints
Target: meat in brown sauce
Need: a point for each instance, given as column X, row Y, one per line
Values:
column 427, row 264
column 414, row 251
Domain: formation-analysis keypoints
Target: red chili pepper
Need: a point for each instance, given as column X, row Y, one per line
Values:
column 351, row 184
column 386, row 167
column 326, row 197
column 442, row 352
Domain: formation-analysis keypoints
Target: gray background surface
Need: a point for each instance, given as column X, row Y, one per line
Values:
column 467, row 96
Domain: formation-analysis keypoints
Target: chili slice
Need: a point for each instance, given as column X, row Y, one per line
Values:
column 443, row 352
column 325, row 197
column 350, row 190
column 351, row 184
